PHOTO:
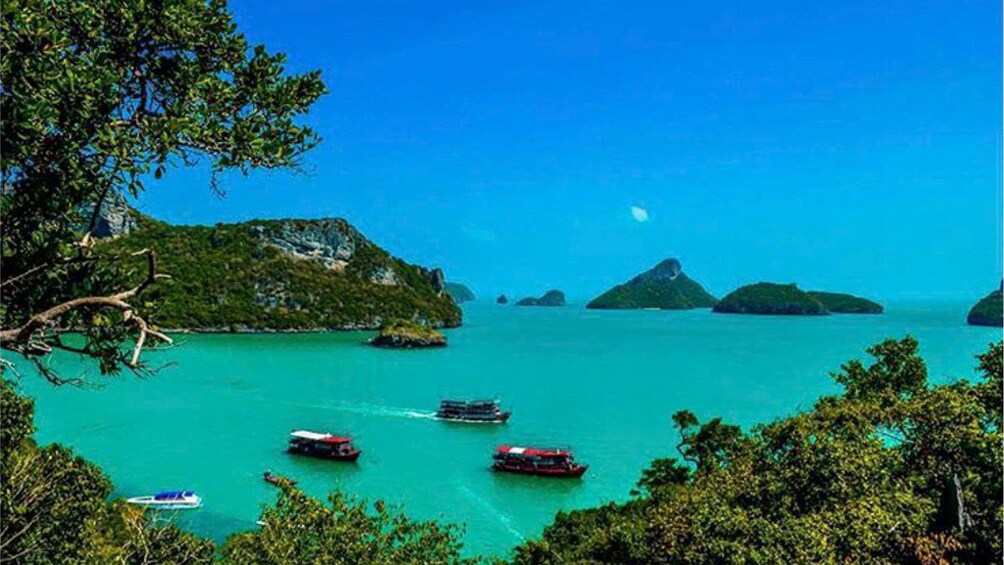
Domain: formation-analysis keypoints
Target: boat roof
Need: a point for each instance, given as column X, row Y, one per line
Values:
column 173, row 494
column 482, row 401
column 532, row 451
column 325, row 438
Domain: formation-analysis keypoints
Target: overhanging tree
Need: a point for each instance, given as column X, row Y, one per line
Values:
column 96, row 97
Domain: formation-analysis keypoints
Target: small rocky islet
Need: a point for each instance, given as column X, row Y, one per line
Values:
column 407, row 334
column 989, row 311
column 502, row 299
column 550, row 298
column 664, row 287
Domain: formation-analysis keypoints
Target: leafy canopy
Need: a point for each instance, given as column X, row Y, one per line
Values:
column 96, row 96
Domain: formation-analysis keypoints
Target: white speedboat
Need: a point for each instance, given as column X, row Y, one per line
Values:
column 168, row 500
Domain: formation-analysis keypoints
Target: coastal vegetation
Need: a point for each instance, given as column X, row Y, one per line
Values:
column 989, row 311
column 279, row 275
column 891, row 470
column 770, row 298
column 407, row 334
column 459, row 292
column 839, row 303
column 664, row 286
column 549, row 298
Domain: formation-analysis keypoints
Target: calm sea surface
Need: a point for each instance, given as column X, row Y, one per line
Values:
column 603, row 383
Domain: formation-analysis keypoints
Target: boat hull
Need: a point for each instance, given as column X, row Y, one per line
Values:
column 461, row 419
column 345, row 457
column 279, row 481
column 573, row 473
column 164, row 505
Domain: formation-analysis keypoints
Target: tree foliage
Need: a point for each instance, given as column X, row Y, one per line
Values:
column 300, row 529
column 96, row 97
column 893, row 470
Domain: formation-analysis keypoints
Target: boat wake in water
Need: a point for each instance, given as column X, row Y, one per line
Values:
column 489, row 510
column 367, row 409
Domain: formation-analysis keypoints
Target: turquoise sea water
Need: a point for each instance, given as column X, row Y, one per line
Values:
column 604, row 383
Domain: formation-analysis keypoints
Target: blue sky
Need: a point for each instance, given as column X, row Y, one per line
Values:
column 849, row 146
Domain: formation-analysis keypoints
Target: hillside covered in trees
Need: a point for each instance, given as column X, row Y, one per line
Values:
column 281, row 275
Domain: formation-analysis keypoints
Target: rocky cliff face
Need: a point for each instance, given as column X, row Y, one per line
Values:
column 332, row 243
column 114, row 219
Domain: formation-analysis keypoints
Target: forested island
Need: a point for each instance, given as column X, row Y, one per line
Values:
column 770, row 298
column 664, row 286
column 988, row 311
column 549, row 298
column 269, row 275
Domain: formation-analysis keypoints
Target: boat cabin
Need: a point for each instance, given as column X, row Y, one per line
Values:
column 324, row 446
column 552, row 462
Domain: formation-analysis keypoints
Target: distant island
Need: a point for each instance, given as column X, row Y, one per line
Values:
column 664, row 286
column 988, row 311
column 770, row 298
column 277, row 275
column 502, row 299
column 406, row 334
column 839, row 303
column 459, row 292
column 549, row 298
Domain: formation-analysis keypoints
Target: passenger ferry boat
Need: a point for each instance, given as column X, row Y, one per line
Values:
column 545, row 462
column 472, row 411
column 324, row 446
column 169, row 500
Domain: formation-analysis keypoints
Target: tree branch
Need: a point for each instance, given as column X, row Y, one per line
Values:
column 20, row 339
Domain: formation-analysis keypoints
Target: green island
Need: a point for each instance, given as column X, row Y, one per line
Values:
column 988, row 311
column 549, row 298
column 664, row 286
column 839, row 303
column 770, row 298
column 285, row 275
column 459, row 292
column 406, row 334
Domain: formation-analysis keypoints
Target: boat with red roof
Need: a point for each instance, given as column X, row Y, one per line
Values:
column 324, row 446
column 544, row 462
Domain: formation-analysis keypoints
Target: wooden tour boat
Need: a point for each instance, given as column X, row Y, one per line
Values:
column 472, row 411
column 544, row 462
column 324, row 446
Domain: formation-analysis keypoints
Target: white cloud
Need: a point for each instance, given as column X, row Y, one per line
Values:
column 639, row 214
